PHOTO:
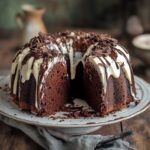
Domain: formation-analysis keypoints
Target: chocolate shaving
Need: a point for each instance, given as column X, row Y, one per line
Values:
column 40, row 46
column 78, row 111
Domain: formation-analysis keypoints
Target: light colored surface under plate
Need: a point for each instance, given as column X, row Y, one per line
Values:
column 81, row 125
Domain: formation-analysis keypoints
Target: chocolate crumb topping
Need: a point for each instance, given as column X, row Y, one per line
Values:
column 40, row 46
column 82, row 40
column 106, row 46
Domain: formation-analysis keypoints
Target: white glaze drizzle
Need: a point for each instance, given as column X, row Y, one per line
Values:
column 35, row 71
column 31, row 67
column 70, row 51
column 67, row 48
column 16, row 65
column 89, row 49
column 62, row 46
column 113, row 68
column 122, row 50
column 26, row 70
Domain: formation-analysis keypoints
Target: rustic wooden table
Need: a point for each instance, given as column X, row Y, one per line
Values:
column 14, row 139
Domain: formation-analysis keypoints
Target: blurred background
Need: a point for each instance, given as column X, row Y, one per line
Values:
column 128, row 21
column 122, row 19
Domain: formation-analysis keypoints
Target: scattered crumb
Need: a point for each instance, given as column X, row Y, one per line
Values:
column 61, row 120
column 91, row 123
column 137, row 102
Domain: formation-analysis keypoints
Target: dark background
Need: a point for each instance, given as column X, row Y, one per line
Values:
column 95, row 14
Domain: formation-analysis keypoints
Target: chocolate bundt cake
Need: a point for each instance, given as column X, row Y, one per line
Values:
column 51, row 70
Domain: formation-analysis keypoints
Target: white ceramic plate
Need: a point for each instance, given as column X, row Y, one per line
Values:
column 142, row 41
column 75, row 126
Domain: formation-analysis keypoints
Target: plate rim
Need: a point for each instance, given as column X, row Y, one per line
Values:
column 37, row 123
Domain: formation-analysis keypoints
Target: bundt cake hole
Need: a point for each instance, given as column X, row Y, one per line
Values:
column 77, row 87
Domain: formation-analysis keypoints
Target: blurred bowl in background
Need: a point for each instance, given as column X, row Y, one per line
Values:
column 142, row 47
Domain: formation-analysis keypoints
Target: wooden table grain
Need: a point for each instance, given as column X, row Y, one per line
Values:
column 13, row 139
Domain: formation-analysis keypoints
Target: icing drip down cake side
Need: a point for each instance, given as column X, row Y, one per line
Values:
column 51, row 70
